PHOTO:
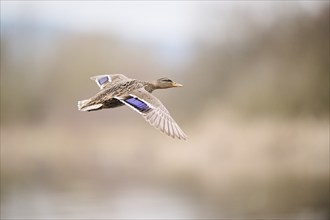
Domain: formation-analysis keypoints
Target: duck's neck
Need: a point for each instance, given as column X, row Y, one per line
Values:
column 150, row 87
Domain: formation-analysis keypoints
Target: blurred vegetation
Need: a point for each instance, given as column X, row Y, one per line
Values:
column 281, row 70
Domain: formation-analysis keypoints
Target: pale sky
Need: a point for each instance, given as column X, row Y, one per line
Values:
column 160, row 19
column 168, row 24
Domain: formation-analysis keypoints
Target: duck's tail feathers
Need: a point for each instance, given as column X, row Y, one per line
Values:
column 83, row 106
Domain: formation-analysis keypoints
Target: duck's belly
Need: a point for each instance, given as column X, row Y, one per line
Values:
column 112, row 103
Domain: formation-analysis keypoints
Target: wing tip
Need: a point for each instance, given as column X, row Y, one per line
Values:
column 169, row 127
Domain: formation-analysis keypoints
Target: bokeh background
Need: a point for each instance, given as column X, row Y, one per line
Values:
column 255, row 107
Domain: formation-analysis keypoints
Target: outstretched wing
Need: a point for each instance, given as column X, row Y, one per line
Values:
column 153, row 111
column 104, row 80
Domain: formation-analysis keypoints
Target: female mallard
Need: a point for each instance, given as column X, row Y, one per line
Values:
column 118, row 90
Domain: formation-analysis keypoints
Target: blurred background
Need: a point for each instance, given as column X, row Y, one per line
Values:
column 255, row 107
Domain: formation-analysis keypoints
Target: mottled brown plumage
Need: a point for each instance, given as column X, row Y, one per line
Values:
column 118, row 90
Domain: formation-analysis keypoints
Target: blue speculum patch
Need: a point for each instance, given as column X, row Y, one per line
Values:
column 138, row 104
column 103, row 80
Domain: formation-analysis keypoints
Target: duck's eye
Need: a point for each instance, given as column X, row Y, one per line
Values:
column 167, row 80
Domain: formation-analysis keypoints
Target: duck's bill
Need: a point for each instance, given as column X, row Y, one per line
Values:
column 176, row 84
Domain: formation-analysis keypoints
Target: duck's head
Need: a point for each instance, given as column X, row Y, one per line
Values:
column 164, row 83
